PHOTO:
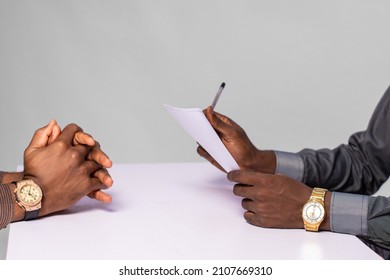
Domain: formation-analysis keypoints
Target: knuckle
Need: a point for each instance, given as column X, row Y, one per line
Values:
column 83, row 169
column 76, row 156
column 74, row 127
column 264, row 181
column 60, row 145
column 39, row 132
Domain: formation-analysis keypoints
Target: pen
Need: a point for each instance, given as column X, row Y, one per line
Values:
column 217, row 95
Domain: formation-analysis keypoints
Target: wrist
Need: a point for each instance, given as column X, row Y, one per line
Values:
column 8, row 177
column 18, row 212
column 263, row 161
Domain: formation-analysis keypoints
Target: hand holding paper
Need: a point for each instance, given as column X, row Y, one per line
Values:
column 196, row 124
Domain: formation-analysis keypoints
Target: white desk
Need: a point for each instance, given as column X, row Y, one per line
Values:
column 170, row 211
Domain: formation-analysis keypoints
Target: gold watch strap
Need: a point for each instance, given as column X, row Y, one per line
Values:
column 310, row 227
column 318, row 194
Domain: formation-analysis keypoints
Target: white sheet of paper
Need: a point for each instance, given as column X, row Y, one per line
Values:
column 196, row 124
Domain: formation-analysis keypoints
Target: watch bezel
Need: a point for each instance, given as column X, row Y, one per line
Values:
column 318, row 219
column 29, row 206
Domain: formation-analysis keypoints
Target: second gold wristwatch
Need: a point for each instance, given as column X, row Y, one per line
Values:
column 313, row 212
column 28, row 195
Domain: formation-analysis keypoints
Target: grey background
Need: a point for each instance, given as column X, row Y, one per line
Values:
column 299, row 73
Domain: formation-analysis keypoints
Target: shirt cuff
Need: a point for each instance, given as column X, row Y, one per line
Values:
column 289, row 164
column 6, row 206
column 1, row 176
column 348, row 213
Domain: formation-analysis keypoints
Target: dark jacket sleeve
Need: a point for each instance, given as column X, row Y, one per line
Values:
column 362, row 165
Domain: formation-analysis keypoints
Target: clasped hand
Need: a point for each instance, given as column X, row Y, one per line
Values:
column 67, row 165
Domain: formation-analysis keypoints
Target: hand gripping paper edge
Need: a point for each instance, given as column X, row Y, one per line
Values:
column 199, row 128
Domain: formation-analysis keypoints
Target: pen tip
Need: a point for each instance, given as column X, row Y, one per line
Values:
column 223, row 85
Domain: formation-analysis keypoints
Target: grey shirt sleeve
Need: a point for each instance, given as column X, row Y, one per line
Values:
column 289, row 164
column 348, row 213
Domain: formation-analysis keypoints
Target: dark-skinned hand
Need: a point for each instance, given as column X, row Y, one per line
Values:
column 273, row 201
column 63, row 167
column 247, row 156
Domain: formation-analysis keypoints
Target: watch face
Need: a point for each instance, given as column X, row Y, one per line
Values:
column 313, row 212
column 30, row 194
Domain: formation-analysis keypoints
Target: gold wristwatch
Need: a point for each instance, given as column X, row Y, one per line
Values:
column 313, row 212
column 28, row 195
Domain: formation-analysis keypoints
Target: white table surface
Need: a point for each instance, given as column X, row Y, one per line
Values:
column 170, row 211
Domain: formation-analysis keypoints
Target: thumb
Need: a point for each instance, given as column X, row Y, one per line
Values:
column 222, row 124
column 42, row 136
